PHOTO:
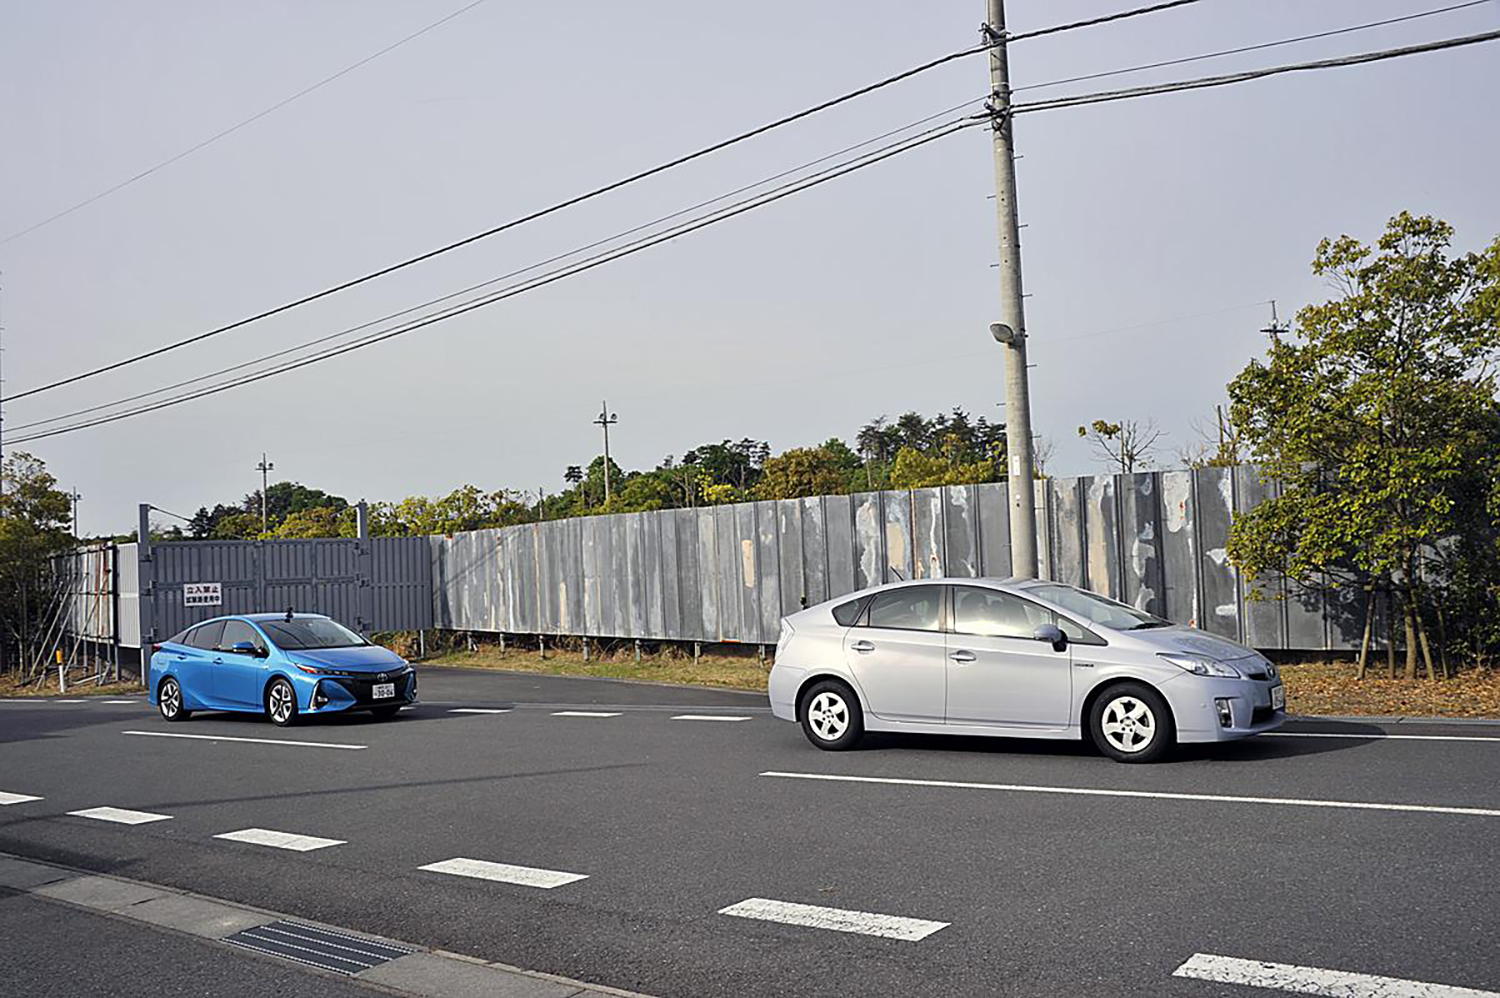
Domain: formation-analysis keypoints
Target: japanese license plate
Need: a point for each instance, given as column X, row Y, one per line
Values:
column 1278, row 698
column 384, row 691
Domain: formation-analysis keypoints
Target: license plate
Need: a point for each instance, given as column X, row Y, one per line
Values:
column 383, row 691
column 1278, row 698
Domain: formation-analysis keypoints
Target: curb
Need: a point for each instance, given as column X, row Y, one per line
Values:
column 429, row 973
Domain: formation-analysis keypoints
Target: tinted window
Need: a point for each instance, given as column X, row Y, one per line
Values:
column 206, row 636
column 993, row 613
column 236, row 631
column 847, row 613
column 180, row 638
column 310, row 632
column 912, row 608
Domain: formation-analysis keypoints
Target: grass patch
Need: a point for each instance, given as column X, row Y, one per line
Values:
column 733, row 672
column 12, row 685
column 1318, row 688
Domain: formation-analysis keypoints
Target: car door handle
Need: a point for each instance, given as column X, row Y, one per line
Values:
column 218, row 660
column 863, row 646
column 962, row 656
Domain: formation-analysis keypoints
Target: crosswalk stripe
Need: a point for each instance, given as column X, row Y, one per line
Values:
column 506, row 873
column 835, row 919
column 120, row 815
column 1315, row 980
column 6, row 798
column 280, row 840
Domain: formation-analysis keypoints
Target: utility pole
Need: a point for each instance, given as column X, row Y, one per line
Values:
column 73, row 496
column 2, row 387
column 606, row 419
column 1010, row 331
column 265, row 468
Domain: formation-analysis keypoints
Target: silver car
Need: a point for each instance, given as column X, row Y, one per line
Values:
column 1032, row 659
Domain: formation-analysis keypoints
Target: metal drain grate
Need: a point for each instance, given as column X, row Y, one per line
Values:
column 323, row 948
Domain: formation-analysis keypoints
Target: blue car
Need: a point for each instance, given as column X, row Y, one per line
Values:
column 285, row 665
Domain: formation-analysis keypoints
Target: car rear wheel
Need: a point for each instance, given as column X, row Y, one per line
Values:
column 281, row 703
column 386, row 713
column 169, row 701
column 831, row 716
column 1131, row 723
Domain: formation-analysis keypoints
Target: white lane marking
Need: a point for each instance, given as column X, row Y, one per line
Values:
column 712, row 717
column 119, row 701
column 1382, row 735
column 255, row 741
column 6, row 798
column 64, row 701
column 1160, row 795
column 120, row 815
column 479, row 710
column 280, row 840
column 584, row 713
column 835, row 919
column 1314, row 980
column 505, row 873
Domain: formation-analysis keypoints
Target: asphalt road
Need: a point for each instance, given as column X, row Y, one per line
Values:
column 1046, row 869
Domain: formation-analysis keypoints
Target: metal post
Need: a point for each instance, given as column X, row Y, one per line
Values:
column 541, row 644
column 73, row 497
column 637, row 651
column 265, row 468
column 146, row 587
column 606, row 419
column 365, row 567
column 585, row 649
column 1011, row 329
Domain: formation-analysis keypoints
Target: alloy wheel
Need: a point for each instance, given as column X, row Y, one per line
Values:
column 1128, row 724
column 829, row 715
column 281, row 703
column 171, row 699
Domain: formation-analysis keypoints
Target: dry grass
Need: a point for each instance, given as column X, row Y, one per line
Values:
column 1333, row 689
column 724, row 671
column 11, row 686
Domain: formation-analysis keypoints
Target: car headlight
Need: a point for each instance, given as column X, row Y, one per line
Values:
column 315, row 671
column 1200, row 665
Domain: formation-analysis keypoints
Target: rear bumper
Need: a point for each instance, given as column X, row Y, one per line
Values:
column 782, row 686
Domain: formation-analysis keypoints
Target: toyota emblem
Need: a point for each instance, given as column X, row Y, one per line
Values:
column 381, row 678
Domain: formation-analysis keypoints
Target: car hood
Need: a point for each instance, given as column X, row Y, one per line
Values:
column 1190, row 640
column 361, row 658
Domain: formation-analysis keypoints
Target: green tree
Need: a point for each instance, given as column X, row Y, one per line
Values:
column 319, row 521
column 34, row 520
column 808, row 471
column 916, row 470
column 1377, row 418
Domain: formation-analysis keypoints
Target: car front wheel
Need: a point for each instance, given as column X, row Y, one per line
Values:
column 831, row 716
column 281, row 703
column 1131, row 723
column 169, row 701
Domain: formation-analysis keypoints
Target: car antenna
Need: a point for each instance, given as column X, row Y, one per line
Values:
column 288, row 615
column 897, row 572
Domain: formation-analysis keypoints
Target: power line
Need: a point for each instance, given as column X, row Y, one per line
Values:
column 1253, row 74
column 505, row 277
column 1250, row 48
column 1091, row 22
column 588, row 195
column 236, row 127
column 610, row 256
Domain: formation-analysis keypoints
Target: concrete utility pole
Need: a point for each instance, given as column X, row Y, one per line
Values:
column 73, row 496
column 1010, row 331
column 606, row 419
column 265, row 468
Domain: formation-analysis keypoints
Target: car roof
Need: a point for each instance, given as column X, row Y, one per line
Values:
column 258, row 617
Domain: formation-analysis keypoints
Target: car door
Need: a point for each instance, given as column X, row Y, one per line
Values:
column 896, row 654
column 998, row 674
column 195, row 662
column 238, row 676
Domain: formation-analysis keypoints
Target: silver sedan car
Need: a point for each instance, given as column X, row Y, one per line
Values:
column 1031, row 659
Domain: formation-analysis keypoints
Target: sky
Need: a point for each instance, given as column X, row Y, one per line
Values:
column 1156, row 229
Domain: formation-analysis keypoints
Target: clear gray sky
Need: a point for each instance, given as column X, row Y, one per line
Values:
column 795, row 323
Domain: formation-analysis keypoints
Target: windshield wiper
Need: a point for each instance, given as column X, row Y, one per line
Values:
column 1149, row 623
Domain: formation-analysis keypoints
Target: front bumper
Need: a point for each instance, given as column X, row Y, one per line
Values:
column 1195, row 707
column 336, row 694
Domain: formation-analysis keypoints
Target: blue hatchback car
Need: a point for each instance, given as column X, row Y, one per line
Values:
column 286, row 665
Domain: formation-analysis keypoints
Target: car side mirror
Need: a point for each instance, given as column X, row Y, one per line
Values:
column 1052, row 634
column 247, row 648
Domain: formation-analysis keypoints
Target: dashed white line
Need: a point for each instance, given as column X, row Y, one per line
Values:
column 835, row 919
column 584, row 713
column 280, row 840
column 505, row 873
column 64, row 701
column 479, row 710
column 255, row 741
column 120, row 815
column 1315, row 980
column 6, row 798
column 1483, row 812
column 711, row 717
column 1381, row 736
column 119, row 701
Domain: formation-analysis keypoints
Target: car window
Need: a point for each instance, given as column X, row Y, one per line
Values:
column 236, row 631
column 311, row 632
column 992, row 613
column 847, row 613
column 1098, row 609
column 1077, row 633
column 180, row 638
column 206, row 636
column 910, row 608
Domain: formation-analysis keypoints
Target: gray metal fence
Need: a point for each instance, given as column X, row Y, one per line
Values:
column 728, row 573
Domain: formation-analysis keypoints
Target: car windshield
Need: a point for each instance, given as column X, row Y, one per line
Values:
column 310, row 632
column 1096, row 609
